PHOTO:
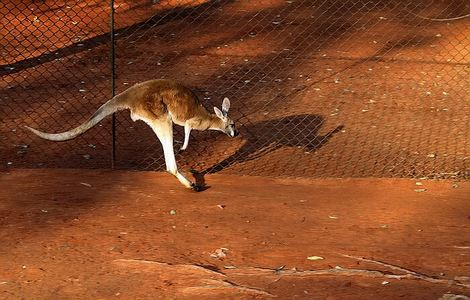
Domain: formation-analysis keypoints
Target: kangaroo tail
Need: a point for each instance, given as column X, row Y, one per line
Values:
column 105, row 110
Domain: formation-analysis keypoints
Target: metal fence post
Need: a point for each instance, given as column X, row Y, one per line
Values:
column 113, row 84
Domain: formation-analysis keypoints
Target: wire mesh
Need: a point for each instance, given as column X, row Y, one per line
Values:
column 54, row 73
column 318, row 88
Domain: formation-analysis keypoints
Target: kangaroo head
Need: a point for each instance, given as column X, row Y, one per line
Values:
column 227, row 124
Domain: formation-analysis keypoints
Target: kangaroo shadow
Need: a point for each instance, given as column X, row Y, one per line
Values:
column 264, row 137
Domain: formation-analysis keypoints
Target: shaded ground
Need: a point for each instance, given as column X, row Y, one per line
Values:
column 77, row 234
column 396, row 85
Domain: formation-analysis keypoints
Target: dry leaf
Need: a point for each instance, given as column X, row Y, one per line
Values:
column 315, row 258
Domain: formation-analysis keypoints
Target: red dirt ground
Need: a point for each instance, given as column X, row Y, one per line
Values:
column 77, row 234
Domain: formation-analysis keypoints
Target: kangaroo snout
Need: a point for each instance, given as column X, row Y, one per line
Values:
column 232, row 132
column 235, row 133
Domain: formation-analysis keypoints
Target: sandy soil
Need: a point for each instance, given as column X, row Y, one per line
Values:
column 77, row 234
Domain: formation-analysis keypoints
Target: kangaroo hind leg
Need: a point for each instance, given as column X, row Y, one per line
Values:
column 163, row 128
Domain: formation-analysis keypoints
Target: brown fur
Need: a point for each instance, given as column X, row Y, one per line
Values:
column 156, row 98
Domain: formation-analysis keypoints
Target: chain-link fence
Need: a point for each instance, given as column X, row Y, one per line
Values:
column 319, row 88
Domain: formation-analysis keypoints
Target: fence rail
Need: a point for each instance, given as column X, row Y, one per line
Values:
column 319, row 88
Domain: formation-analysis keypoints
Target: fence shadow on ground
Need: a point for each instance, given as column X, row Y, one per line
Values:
column 290, row 131
column 160, row 18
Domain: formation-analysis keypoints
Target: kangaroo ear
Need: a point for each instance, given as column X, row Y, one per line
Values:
column 225, row 105
column 219, row 113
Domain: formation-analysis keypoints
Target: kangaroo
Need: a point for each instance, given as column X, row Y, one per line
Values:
column 159, row 103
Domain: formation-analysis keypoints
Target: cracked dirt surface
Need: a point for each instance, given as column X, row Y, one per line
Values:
column 83, row 234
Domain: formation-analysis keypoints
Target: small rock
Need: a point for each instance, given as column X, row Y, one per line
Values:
column 219, row 253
